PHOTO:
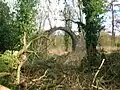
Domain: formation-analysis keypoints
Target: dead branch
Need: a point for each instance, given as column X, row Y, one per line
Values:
column 97, row 72
column 97, row 88
column 22, row 58
column 27, row 46
column 53, row 85
column 34, row 80
column 2, row 74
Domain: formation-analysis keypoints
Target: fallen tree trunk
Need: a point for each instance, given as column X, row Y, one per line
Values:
column 4, row 88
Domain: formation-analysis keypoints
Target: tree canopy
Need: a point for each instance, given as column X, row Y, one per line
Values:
column 6, row 35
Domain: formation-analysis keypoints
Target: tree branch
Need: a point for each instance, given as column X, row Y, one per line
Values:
column 34, row 80
column 53, row 85
column 27, row 46
column 97, row 72
column 2, row 74
column 78, row 23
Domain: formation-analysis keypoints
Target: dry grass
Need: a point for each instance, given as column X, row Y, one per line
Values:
column 110, row 48
column 58, row 52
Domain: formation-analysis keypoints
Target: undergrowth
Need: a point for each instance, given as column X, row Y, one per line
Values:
column 43, row 74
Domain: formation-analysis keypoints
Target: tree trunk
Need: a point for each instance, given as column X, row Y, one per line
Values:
column 91, row 56
column 66, row 39
column 91, row 43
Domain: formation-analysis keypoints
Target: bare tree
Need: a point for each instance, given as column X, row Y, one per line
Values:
column 68, row 24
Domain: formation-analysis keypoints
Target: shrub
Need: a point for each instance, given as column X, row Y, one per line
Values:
column 8, row 62
column 118, row 44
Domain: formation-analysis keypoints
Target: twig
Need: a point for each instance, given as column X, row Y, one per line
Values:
column 34, row 80
column 54, row 84
column 97, row 72
column 2, row 74
column 99, row 88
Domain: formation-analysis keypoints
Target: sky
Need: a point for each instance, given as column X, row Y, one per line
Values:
column 108, row 19
column 11, row 4
column 55, row 18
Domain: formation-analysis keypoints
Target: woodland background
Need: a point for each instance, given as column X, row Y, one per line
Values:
column 78, row 55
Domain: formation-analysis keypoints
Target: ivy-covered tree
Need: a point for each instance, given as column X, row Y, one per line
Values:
column 92, row 9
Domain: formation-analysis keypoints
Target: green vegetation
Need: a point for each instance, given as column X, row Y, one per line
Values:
column 8, row 62
column 25, row 17
column 7, row 34
column 92, row 9
column 31, row 59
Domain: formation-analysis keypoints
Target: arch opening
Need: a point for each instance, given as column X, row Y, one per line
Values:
column 69, row 32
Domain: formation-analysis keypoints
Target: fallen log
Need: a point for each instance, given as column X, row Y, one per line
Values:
column 4, row 88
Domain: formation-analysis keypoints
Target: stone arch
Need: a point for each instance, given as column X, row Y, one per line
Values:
column 71, row 33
